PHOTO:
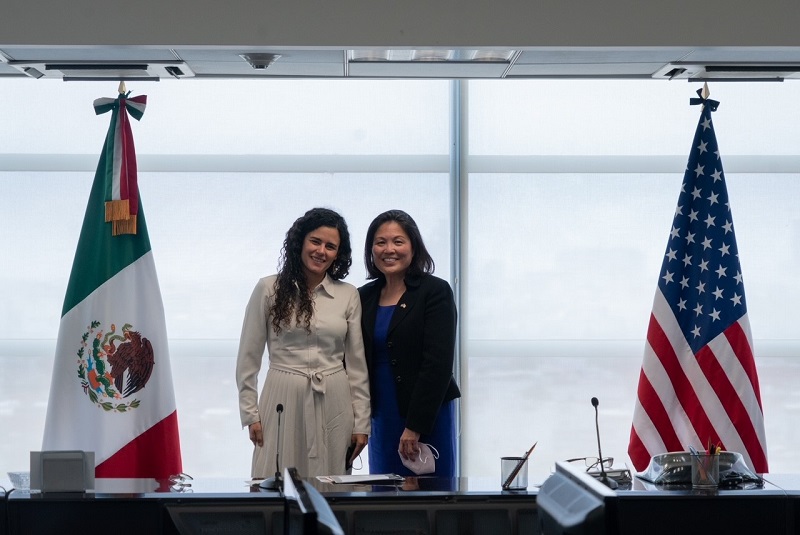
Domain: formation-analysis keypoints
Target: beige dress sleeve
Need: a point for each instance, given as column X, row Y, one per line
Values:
column 356, row 365
column 252, row 343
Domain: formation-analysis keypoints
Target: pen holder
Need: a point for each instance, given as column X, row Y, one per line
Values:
column 705, row 471
column 508, row 465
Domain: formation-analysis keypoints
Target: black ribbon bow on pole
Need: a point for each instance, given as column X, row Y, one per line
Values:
column 704, row 100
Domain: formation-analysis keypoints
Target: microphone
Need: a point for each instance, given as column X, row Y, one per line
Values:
column 604, row 479
column 275, row 483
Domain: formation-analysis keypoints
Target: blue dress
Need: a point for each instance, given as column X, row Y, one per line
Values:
column 388, row 425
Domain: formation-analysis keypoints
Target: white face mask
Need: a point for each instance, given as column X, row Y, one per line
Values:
column 424, row 462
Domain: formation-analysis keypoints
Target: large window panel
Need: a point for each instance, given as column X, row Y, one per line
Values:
column 627, row 118
column 224, row 169
column 588, row 248
column 213, row 236
column 559, row 289
column 570, row 196
column 213, row 250
column 574, row 251
column 275, row 117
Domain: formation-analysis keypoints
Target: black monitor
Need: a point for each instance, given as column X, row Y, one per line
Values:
column 571, row 502
column 305, row 510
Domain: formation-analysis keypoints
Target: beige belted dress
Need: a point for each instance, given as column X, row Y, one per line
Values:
column 323, row 405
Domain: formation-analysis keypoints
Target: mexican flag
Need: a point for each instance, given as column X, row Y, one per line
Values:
column 111, row 391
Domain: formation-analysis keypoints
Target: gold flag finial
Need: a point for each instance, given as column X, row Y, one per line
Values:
column 706, row 92
column 122, row 90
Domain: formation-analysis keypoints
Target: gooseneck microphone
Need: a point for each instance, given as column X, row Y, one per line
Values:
column 275, row 483
column 604, row 479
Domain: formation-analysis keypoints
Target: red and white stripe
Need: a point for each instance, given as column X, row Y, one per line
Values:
column 686, row 399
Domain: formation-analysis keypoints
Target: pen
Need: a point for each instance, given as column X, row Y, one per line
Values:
column 515, row 471
column 714, row 449
column 699, row 461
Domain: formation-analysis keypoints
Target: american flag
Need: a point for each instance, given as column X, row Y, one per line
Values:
column 698, row 383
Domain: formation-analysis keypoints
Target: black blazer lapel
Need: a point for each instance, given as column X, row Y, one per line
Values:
column 405, row 305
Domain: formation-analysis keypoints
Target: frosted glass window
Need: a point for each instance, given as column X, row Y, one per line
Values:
column 628, row 117
column 571, row 191
column 225, row 168
column 213, row 236
column 233, row 117
column 565, row 203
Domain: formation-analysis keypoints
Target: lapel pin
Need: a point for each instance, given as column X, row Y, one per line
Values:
column 402, row 305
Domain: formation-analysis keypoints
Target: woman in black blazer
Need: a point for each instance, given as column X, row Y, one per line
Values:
column 409, row 328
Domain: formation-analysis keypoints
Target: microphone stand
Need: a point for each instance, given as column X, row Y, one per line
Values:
column 604, row 479
column 275, row 483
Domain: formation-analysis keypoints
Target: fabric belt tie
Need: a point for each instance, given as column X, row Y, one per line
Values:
column 312, row 404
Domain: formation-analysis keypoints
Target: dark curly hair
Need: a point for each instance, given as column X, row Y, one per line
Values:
column 421, row 262
column 291, row 291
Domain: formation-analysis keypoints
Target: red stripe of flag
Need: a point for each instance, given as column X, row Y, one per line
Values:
column 684, row 390
column 124, row 139
column 741, row 348
column 732, row 403
column 658, row 415
column 638, row 451
column 136, row 458
column 128, row 171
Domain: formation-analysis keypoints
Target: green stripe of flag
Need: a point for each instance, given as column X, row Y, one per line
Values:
column 99, row 255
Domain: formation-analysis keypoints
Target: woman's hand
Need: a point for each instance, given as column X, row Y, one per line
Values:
column 409, row 444
column 360, row 442
column 410, row 483
column 256, row 434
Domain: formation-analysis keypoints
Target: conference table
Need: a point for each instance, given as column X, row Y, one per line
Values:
column 773, row 508
column 459, row 506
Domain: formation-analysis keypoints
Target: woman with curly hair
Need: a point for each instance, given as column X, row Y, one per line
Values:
column 310, row 322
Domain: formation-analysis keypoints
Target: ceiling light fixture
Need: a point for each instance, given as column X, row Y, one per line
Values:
column 260, row 61
column 431, row 55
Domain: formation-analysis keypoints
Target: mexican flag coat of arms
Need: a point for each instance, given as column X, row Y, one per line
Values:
column 111, row 391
